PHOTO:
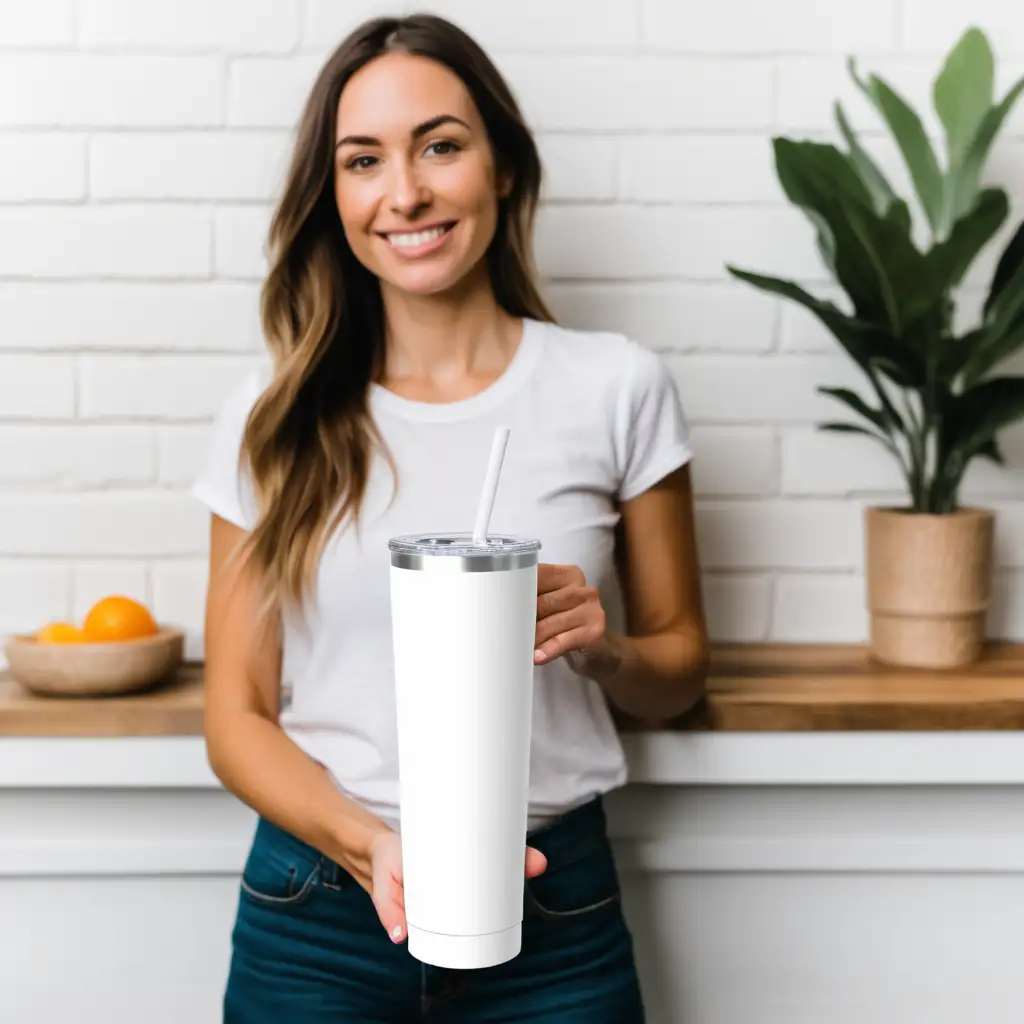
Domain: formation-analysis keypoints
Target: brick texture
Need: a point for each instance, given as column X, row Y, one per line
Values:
column 143, row 145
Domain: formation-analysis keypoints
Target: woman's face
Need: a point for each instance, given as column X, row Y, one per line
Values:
column 415, row 178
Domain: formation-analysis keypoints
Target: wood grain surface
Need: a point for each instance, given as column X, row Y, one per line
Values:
column 172, row 708
column 752, row 688
column 839, row 687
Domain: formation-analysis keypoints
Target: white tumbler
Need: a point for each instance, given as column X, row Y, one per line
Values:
column 464, row 618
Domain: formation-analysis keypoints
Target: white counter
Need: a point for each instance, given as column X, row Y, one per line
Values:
column 769, row 878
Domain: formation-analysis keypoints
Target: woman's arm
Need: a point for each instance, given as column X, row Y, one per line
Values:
column 247, row 749
column 657, row 670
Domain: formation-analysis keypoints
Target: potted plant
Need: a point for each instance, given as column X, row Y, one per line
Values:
column 932, row 396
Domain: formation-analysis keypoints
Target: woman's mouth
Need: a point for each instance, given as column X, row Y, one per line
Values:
column 412, row 244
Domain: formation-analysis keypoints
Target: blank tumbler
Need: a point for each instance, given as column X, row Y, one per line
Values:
column 464, row 618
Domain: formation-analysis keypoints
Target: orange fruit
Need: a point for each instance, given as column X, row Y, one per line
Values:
column 118, row 618
column 60, row 633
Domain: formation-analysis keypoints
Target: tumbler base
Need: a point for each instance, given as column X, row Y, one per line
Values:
column 465, row 952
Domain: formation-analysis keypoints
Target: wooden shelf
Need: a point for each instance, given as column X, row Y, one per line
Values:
column 753, row 688
column 838, row 687
column 174, row 708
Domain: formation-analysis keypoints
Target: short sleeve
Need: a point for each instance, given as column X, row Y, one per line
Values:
column 656, row 436
column 222, row 486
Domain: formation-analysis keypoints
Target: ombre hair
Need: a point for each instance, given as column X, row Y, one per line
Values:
column 309, row 440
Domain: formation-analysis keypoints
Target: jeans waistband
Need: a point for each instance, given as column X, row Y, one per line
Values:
column 581, row 826
column 555, row 839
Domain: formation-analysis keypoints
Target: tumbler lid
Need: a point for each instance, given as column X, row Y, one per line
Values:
column 456, row 552
column 461, row 545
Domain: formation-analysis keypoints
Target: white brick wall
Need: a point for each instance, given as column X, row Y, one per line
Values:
column 141, row 146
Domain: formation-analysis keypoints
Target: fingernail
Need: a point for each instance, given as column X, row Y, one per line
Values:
column 539, row 656
column 396, row 932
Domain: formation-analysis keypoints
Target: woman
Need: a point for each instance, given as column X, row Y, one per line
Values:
column 404, row 323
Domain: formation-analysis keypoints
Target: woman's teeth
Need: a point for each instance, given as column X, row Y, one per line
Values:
column 409, row 241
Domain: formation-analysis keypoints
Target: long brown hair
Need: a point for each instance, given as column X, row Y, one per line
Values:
column 309, row 440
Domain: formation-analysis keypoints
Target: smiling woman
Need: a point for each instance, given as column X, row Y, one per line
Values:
column 416, row 242
column 405, row 194
column 404, row 321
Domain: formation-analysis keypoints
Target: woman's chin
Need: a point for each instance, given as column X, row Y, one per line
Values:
column 426, row 281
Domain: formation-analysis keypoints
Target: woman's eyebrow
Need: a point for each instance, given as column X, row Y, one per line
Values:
column 420, row 129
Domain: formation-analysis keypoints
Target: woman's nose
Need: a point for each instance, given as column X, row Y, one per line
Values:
column 409, row 193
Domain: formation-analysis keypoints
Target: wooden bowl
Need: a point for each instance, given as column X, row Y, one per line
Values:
column 90, row 670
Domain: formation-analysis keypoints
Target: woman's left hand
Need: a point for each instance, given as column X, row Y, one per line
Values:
column 570, row 618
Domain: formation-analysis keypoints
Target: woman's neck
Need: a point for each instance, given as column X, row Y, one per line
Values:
column 446, row 345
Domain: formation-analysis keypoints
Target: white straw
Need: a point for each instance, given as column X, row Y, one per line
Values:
column 483, row 512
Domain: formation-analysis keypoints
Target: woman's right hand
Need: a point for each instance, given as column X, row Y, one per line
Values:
column 388, row 888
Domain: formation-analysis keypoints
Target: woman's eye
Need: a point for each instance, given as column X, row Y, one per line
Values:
column 442, row 147
column 361, row 163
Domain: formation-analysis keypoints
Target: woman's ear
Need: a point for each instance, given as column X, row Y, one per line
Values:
column 506, row 182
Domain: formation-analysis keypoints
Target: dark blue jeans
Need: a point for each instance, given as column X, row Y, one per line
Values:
column 308, row 947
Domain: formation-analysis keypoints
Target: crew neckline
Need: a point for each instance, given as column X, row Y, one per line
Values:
column 522, row 362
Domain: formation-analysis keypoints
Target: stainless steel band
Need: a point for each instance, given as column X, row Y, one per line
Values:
column 457, row 563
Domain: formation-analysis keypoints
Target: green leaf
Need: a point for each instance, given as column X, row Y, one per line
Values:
column 968, row 428
column 818, row 168
column 815, row 176
column 1011, row 259
column 901, row 272
column 856, row 338
column 1007, row 305
column 948, row 261
column 874, row 249
column 810, row 178
column 967, row 175
column 874, row 180
column 853, row 401
column 873, row 258
column 910, row 136
column 978, row 414
column 990, row 349
column 907, row 372
column 899, row 214
column 865, row 343
column 990, row 450
column 825, row 239
column 963, row 92
column 958, row 352
column 850, row 428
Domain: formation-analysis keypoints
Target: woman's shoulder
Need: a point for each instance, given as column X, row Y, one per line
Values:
column 232, row 414
column 223, row 484
column 612, row 358
column 610, row 352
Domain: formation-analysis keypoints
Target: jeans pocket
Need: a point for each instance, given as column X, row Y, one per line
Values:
column 279, row 872
column 583, row 882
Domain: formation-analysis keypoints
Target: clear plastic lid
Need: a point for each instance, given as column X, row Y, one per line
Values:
column 461, row 545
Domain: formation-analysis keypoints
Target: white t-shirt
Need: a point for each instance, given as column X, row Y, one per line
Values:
column 595, row 419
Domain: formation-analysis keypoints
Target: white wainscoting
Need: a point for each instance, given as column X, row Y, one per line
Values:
column 768, row 878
